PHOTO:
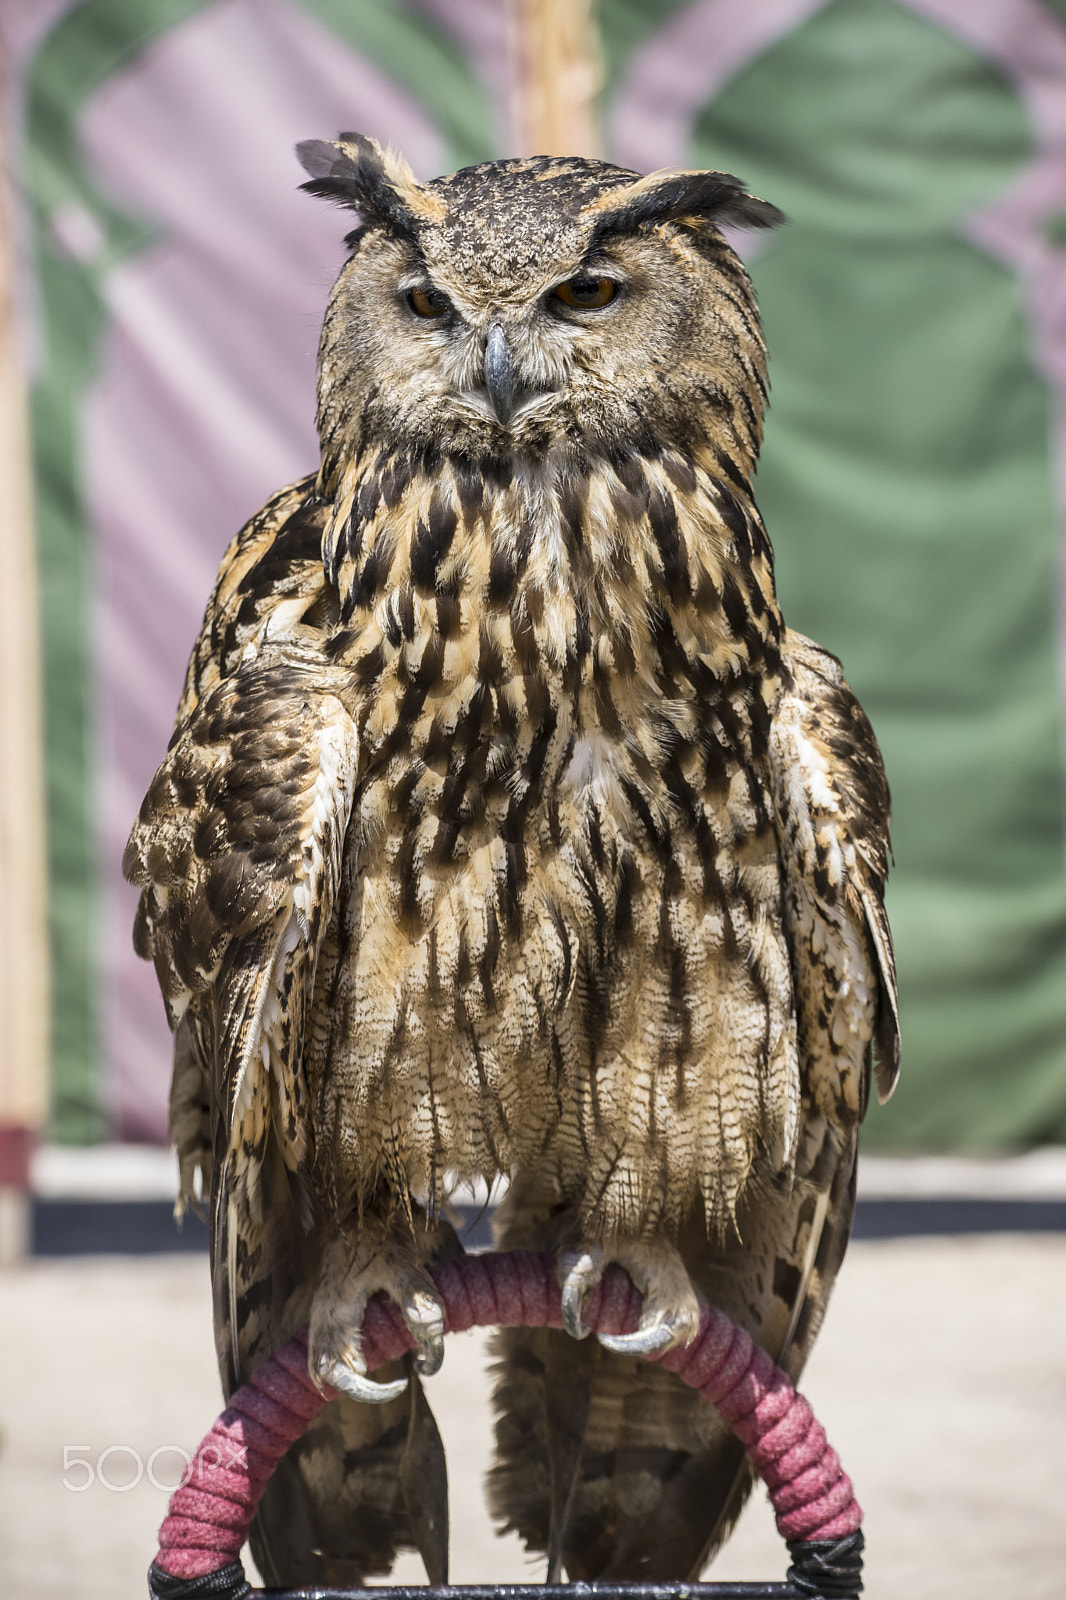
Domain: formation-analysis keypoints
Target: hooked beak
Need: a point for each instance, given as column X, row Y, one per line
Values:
column 499, row 373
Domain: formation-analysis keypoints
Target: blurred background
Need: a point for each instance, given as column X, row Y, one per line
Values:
column 161, row 287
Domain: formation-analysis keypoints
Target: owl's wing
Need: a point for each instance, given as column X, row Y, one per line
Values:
column 237, row 846
column 833, row 810
column 237, row 849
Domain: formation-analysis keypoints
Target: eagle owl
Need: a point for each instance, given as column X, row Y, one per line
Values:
column 506, row 833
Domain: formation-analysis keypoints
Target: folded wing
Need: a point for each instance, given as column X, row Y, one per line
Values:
column 237, row 849
column 833, row 810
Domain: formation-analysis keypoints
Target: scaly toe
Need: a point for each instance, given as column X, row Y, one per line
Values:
column 670, row 1314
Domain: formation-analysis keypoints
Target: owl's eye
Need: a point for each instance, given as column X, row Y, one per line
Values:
column 587, row 294
column 428, row 302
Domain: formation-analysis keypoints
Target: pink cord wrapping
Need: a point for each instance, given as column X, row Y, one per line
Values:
column 210, row 1514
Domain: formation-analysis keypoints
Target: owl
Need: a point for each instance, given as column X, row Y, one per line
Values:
column 507, row 835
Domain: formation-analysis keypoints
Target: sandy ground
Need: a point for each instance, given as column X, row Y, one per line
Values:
column 939, row 1377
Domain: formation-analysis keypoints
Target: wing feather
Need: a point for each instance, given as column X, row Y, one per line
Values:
column 833, row 817
column 238, row 850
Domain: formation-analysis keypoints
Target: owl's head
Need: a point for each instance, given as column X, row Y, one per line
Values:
column 524, row 304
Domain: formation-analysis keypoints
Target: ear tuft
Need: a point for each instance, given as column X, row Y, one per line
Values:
column 354, row 171
column 672, row 194
column 318, row 157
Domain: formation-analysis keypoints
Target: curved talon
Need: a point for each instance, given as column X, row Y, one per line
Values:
column 360, row 1388
column 573, row 1299
column 643, row 1342
column 424, row 1316
column 430, row 1357
column 579, row 1271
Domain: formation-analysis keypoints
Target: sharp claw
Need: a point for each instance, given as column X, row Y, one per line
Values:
column 430, row 1356
column 573, row 1299
column 644, row 1342
column 424, row 1317
column 358, row 1386
column 580, row 1271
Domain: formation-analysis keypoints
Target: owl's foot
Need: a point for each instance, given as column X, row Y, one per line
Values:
column 671, row 1314
column 353, row 1270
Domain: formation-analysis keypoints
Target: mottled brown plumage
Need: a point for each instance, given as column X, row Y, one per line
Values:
column 506, row 832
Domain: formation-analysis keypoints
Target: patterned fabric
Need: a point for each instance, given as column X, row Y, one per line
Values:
column 912, row 477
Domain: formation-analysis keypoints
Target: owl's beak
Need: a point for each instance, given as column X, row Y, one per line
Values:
column 499, row 373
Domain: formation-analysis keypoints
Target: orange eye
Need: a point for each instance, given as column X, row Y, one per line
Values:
column 587, row 294
column 428, row 302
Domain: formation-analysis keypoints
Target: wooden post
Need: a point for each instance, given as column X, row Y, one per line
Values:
column 24, row 1086
column 558, row 73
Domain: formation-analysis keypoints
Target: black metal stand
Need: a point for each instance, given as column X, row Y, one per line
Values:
column 231, row 1584
column 548, row 1591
